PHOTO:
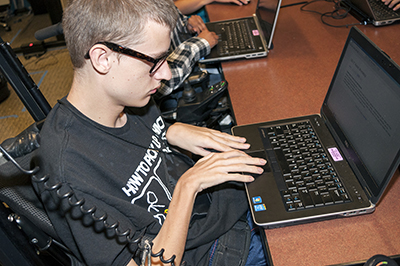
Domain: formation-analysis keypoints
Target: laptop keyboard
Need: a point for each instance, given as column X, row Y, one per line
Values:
column 308, row 175
column 382, row 11
column 235, row 36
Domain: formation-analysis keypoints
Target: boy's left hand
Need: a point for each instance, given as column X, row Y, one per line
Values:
column 199, row 140
column 196, row 24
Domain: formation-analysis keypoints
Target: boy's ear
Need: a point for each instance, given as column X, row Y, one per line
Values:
column 100, row 58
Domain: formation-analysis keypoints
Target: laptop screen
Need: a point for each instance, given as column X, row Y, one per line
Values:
column 267, row 13
column 364, row 100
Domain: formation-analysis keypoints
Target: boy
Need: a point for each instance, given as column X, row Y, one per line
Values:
column 107, row 143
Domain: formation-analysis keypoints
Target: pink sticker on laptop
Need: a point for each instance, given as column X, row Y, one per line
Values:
column 334, row 152
column 255, row 33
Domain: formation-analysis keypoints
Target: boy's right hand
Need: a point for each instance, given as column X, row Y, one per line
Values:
column 197, row 25
column 218, row 168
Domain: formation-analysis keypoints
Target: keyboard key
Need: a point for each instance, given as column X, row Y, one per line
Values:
column 326, row 197
column 306, row 198
column 317, row 198
column 336, row 196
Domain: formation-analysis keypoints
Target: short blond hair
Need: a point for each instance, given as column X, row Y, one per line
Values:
column 86, row 22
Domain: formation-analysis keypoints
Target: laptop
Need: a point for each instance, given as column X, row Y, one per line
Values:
column 372, row 11
column 337, row 163
column 248, row 37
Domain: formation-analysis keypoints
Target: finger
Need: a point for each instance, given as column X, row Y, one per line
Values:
column 228, row 142
column 236, row 157
column 211, row 149
column 393, row 4
column 228, row 137
column 215, row 36
column 239, row 3
column 202, row 152
column 224, row 146
column 225, row 178
column 198, row 21
column 242, row 2
column 240, row 178
column 238, row 171
column 202, row 26
column 218, row 168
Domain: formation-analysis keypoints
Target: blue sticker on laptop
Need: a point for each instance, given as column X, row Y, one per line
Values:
column 260, row 207
column 257, row 200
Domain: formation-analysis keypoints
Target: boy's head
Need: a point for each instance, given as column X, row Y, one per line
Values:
column 121, row 21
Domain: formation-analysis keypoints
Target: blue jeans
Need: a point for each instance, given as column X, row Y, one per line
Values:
column 256, row 252
column 255, row 257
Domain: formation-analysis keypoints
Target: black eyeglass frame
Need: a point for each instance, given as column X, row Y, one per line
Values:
column 157, row 63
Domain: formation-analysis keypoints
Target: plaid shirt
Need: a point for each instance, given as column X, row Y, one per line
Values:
column 187, row 52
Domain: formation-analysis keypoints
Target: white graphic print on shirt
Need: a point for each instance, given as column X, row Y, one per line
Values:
column 145, row 185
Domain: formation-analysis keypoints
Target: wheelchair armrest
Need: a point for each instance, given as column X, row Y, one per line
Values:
column 25, row 142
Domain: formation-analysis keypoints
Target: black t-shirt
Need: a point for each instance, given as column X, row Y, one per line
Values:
column 127, row 173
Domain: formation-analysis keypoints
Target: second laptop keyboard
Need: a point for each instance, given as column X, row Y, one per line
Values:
column 382, row 11
column 235, row 36
column 309, row 178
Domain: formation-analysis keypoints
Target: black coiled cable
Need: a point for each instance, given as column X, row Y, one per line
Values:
column 91, row 211
column 103, row 218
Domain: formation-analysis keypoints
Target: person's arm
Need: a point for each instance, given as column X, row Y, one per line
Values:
column 186, row 54
column 214, row 169
column 181, row 62
column 188, row 50
column 209, row 171
column 190, row 6
column 395, row 4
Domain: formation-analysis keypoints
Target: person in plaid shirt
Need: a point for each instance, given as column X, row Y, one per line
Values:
column 191, row 40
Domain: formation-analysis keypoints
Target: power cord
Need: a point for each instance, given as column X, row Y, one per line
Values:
column 294, row 4
column 340, row 12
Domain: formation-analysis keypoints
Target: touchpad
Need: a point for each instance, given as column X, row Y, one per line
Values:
column 261, row 154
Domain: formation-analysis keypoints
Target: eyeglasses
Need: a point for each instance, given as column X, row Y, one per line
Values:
column 157, row 63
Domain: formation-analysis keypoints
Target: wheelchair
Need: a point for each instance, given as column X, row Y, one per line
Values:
column 4, row 9
column 22, row 216
column 21, row 207
column 20, row 204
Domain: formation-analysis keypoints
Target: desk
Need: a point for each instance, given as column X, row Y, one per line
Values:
column 298, row 70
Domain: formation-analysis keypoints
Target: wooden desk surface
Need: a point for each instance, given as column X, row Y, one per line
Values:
column 291, row 81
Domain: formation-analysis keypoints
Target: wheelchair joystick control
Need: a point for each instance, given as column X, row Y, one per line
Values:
column 188, row 94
